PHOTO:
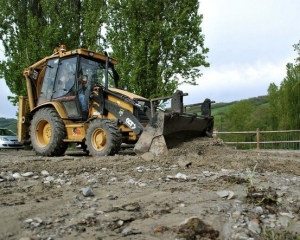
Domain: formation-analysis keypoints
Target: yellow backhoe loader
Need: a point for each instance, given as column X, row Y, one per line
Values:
column 73, row 97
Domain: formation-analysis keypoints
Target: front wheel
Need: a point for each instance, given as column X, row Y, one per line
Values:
column 47, row 132
column 103, row 138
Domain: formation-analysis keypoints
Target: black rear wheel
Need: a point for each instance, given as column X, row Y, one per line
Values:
column 47, row 132
column 103, row 138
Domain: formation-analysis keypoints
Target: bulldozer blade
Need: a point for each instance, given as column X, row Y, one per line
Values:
column 167, row 130
column 152, row 139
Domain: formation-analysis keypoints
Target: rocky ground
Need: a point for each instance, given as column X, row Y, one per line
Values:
column 201, row 190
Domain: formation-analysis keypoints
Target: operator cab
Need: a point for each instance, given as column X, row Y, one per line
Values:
column 69, row 81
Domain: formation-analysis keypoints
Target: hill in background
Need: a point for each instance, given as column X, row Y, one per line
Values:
column 9, row 123
column 219, row 110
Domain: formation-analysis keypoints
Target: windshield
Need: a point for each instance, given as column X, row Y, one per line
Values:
column 95, row 72
column 6, row 132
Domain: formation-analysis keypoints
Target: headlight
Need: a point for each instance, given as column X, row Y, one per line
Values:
column 3, row 139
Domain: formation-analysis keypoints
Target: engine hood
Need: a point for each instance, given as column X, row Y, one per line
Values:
column 128, row 94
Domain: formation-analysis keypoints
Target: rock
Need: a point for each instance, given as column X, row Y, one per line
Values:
column 127, row 231
column 131, row 181
column 10, row 177
column 257, row 209
column 159, row 229
column 226, row 193
column 120, row 222
column 17, row 175
column 141, row 169
column 148, row 156
column 286, row 214
column 223, row 193
column 28, row 220
column 181, row 176
column 142, row 184
column 35, row 224
column 132, row 206
column 112, row 197
column 195, row 228
column 37, row 219
column 27, row 174
column 45, row 173
column 254, row 227
column 230, row 195
column 49, row 179
column 87, row 192
column 206, row 173
column 3, row 175
column 89, row 216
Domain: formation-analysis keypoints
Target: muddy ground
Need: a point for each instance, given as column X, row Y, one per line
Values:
column 232, row 194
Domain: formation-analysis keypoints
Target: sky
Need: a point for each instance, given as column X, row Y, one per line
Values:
column 250, row 43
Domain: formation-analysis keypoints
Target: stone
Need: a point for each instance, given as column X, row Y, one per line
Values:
column 45, row 173
column 206, row 173
column 10, row 177
column 17, row 175
column 148, row 156
column 181, row 176
column 49, row 179
column 87, row 192
column 195, row 228
column 27, row 174
column 127, row 231
column 131, row 181
column 254, row 227
column 223, row 193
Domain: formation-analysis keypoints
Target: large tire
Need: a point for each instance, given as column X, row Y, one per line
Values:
column 103, row 138
column 47, row 132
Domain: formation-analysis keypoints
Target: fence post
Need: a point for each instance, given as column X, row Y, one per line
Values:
column 257, row 138
column 215, row 133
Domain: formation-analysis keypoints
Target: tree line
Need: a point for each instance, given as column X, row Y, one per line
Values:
column 158, row 44
column 280, row 110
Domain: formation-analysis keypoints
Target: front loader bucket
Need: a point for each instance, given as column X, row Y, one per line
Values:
column 166, row 130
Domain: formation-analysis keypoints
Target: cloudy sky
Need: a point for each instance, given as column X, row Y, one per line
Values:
column 250, row 43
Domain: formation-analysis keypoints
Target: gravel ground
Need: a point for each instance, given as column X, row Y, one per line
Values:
column 201, row 190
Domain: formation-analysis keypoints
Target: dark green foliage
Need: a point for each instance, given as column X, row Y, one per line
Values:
column 285, row 100
column 31, row 29
column 157, row 43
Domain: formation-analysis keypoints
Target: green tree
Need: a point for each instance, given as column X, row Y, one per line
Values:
column 285, row 100
column 158, row 43
column 261, row 118
column 274, row 106
column 240, row 116
column 290, row 98
column 31, row 29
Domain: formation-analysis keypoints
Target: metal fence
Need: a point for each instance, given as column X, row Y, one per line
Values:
column 285, row 139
